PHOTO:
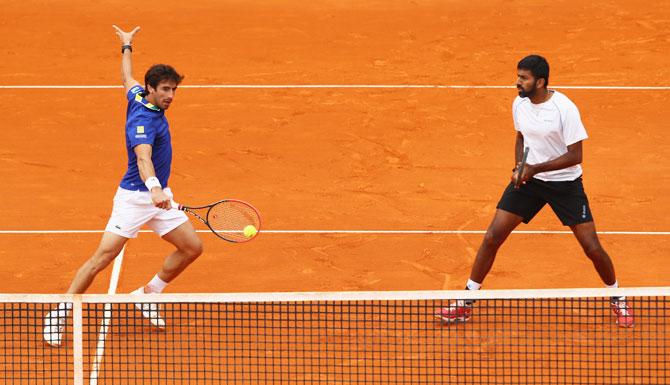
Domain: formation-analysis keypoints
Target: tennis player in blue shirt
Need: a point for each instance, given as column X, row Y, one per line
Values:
column 143, row 196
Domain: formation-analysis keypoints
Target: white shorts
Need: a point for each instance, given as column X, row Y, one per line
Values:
column 133, row 209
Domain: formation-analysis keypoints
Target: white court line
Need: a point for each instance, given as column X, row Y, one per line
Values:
column 379, row 232
column 107, row 318
column 343, row 86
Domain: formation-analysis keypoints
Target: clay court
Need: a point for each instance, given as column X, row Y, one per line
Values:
column 333, row 158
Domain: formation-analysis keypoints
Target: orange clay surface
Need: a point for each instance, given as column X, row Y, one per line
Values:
column 372, row 159
column 369, row 159
column 331, row 159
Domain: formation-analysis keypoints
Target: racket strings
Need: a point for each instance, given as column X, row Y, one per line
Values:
column 228, row 219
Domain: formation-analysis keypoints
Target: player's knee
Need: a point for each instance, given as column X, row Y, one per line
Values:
column 105, row 255
column 193, row 249
column 100, row 260
column 594, row 250
column 492, row 240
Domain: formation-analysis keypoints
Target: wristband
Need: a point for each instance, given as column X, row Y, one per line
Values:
column 127, row 46
column 152, row 182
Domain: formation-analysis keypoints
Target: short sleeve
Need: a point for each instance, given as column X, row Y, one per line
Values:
column 140, row 131
column 133, row 91
column 573, row 129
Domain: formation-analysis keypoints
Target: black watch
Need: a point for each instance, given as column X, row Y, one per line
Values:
column 128, row 46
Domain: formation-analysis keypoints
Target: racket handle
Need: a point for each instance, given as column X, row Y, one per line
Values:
column 176, row 205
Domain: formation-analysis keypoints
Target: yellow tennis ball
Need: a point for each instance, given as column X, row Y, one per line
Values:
column 249, row 231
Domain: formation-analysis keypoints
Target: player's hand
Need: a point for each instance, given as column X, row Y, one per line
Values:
column 160, row 199
column 515, row 173
column 126, row 37
column 528, row 172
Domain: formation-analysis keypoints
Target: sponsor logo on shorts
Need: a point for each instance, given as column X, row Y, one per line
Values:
column 583, row 211
column 140, row 129
column 140, row 136
column 118, row 227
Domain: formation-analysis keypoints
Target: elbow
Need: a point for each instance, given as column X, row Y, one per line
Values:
column 142, row 160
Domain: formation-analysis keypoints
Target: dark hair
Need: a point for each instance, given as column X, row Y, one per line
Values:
column 160, row 72
column 537, row 65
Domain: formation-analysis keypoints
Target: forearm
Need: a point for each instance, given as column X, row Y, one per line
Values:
column 518, row 149
column 148, row 174
column 126, row 39
column 127, row 66
column 146, row 168
column 566, row 160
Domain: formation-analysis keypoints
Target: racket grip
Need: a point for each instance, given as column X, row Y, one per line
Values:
column 176, row 205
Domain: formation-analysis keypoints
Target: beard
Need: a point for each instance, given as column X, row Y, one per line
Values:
column 528, row 94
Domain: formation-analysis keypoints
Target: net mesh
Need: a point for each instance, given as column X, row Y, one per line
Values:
column 24, row 357
column 373, row 341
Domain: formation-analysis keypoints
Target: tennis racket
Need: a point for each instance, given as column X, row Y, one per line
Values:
column 522, row 165
column 229, row 219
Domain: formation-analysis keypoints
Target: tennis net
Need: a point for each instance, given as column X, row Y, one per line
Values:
column 564, row 336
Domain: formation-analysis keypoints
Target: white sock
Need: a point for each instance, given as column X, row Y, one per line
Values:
column 156, row 285
column 472, row 285
column 614, row 286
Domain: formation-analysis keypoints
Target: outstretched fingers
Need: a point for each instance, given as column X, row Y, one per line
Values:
column 126, row 37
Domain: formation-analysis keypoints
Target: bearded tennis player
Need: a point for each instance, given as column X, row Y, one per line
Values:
column 549, row 124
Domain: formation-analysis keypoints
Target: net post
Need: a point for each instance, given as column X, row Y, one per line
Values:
column 77, row 340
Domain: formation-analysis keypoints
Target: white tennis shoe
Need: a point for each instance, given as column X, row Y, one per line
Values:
column 150, row 311
column 54, row 326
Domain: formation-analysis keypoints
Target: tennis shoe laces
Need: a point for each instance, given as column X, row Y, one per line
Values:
column 150, row 311
column 457, row 311
column 623, row 312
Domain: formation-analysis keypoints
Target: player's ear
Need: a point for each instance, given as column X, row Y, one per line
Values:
column 541, row 83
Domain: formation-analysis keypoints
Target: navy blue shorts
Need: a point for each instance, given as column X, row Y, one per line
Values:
column 567, row 199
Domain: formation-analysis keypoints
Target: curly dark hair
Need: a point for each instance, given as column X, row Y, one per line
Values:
column 161, row 72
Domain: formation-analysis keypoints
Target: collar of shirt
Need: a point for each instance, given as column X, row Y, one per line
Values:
column 145, row 103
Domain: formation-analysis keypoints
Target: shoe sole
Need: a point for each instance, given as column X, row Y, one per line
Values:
column 52, row 344
column 451, row 320
column 625, row 324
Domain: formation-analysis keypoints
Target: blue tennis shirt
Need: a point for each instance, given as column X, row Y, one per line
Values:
column 146, row 124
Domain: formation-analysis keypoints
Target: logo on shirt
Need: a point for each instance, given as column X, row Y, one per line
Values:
column 140, row 129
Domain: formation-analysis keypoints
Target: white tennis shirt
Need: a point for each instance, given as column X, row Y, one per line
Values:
column 548, row 129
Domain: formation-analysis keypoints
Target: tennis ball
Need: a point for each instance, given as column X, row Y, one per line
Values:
column 249, row 231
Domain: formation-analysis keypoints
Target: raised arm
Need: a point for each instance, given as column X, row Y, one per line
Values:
column 126, row 59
